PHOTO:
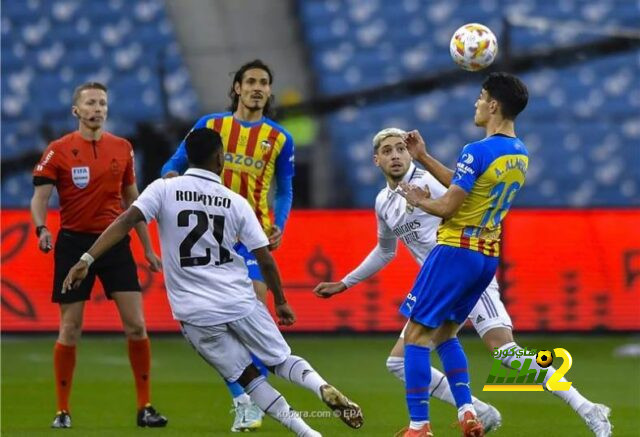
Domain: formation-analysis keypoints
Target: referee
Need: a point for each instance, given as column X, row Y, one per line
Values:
column 93, row 172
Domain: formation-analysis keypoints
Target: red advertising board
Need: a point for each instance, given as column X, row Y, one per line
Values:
column 561, row 270
column 572, row 270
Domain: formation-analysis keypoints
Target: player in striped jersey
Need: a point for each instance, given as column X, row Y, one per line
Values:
column 256, row 150
column 480, row 191
column 416, row 229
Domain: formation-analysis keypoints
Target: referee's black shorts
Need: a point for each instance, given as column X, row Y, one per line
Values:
column 116, row 268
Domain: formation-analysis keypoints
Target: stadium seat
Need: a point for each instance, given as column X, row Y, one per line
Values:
column 47, row 51
column 580, row 155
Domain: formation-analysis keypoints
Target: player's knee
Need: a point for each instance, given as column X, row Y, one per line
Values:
column 418, row 334
column 70, row 331
column 135, row 330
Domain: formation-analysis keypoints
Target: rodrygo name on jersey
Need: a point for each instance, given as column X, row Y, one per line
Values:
column 200, row 221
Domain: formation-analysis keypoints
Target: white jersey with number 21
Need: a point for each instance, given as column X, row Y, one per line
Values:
column 200, row 221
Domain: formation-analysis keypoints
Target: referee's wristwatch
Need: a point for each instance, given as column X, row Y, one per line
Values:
column 39, row 230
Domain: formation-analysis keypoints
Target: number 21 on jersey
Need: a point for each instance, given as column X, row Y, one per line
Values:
column 192, row 238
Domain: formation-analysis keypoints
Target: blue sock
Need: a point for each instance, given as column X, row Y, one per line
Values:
column 455, row 366
column 417, row 371
column 235, row 388
column 260, row 365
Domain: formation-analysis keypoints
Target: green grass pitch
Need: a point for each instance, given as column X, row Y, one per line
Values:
column 196, row 402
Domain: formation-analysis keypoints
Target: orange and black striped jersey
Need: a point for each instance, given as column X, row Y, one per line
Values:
column 255, row 152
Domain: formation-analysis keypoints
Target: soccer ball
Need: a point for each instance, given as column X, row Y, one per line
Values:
column 473, row 47
column 544, row 359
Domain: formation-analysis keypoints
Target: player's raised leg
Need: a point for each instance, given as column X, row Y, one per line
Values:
column 493, row 323
column 297, row 370
column 261, row 336
column 273, row 403
column 224, row 351
column 596, row 416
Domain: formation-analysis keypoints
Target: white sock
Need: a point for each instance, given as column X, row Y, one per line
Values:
column 275, row 405
column 571, row 396
column 300, row 372
column 242, row 399
column 417, row 424
column 395, row 365
column 439, row 386
column 464, row 408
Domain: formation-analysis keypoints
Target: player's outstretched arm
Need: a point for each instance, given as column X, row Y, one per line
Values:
column 112, row 235
column 269, row 270
column 378, row 258
column 328, row 289
column 418, row 150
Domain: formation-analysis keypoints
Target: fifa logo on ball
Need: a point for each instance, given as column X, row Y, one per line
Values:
column 524, row 375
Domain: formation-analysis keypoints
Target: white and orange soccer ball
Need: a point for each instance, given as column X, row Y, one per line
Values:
column 473, row 46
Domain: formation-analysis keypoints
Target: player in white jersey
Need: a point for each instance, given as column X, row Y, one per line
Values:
column 210, row 293
column 398, row 220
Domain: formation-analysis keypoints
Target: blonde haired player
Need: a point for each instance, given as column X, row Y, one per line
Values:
column 417, row 230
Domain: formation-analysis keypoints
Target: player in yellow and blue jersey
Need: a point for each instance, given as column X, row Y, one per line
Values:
column 256, row 150
column 480, row 191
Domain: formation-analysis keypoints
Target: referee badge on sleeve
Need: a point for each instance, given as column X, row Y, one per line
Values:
column 80, row 176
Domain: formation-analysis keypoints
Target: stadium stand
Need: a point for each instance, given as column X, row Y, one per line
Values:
column 581, row 125
column 49, row 47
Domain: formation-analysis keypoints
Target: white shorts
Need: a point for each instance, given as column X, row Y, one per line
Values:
column 228, row 347
column 488, row 313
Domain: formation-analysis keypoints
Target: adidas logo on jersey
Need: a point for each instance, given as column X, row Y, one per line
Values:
column 479, row 319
